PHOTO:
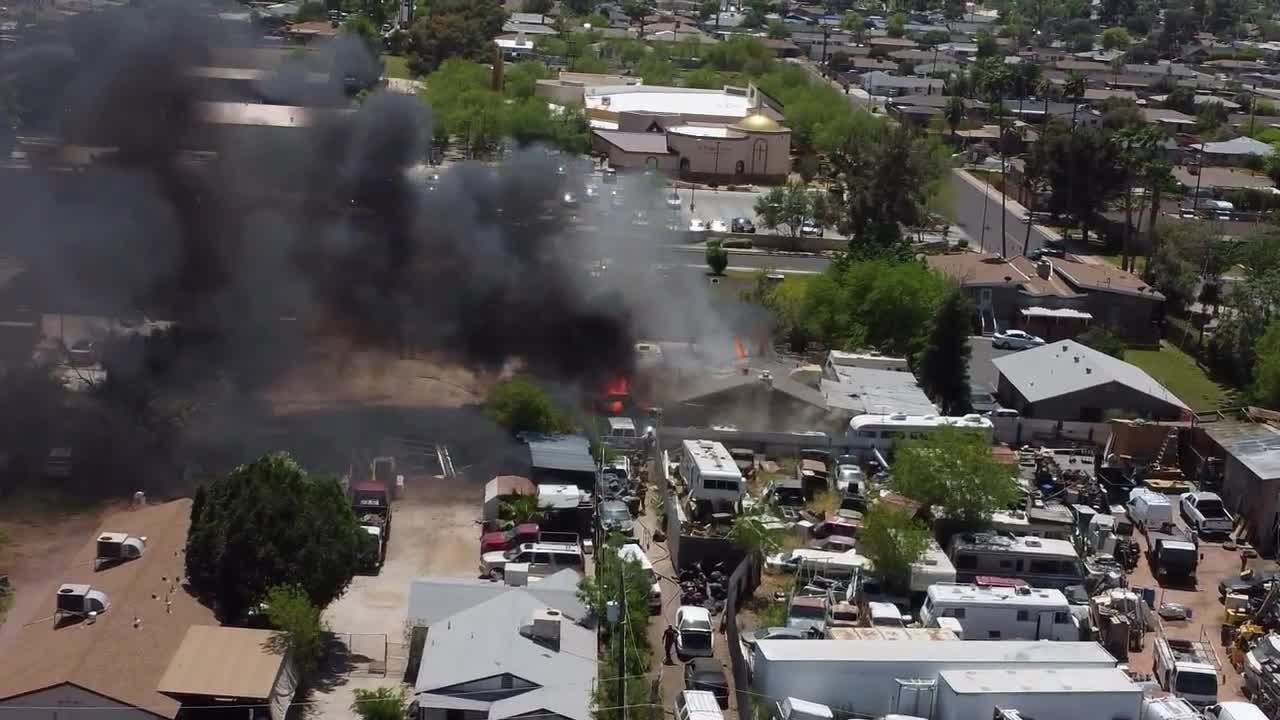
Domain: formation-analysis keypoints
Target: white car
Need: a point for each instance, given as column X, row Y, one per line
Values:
column 719, row 226
column 693, row 632
column 1025, row 218
column 673, row 200
column 1206, row 514
column 1015, row 340
column 697, row 225
column 591, row 193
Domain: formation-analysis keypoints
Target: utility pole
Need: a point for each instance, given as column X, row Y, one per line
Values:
column 826, row 33
column 622, row 640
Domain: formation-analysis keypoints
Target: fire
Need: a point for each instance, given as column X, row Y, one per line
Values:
column 740, row 348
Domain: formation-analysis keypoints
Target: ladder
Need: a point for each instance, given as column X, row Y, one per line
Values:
column 1170, row 440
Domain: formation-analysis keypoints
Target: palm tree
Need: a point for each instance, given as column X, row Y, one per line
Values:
column 1073, row 88
column 1158, row 174
column 1136, row 147
column 953, row 111
column 519, row 509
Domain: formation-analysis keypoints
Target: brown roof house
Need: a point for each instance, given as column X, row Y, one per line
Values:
column 116, row 634
column 1055, row 298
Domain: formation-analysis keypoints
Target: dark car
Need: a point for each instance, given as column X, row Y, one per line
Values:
column 1048, row 251
column 742, row 225
column 707, row 674
column 1255, row 584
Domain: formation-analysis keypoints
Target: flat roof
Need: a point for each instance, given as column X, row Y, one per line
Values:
column 914, row 650
column 868, row 390
column 1040, row 680
column 571, row 453
column 231, row 662
column 1028, row 545
column 978, row 595
column 669, row 100
column 1255, row 445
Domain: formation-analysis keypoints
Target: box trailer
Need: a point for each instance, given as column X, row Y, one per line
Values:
column 1040, row 693
column 877, row 677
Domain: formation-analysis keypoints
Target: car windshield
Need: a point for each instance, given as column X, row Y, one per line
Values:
column 1197, row 683
column 807, row 612
column 614, row 513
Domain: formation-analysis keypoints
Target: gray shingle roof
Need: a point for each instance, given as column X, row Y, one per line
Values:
column 1238, row 146
column 866, row 390
column 485, row 641
column 432, row 599
column 560, row 452
column 635, row 142
column 1065, row 366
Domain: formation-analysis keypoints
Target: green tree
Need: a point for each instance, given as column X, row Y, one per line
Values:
column 1116, row 38
column 269, row 524
column 579, row 8
column 880, row 304
column 778, row 30
column 520, row 80
column 1103, row 341
column 540, row 7
column 717, row 257
column 520, row 405
column 953, row 473
column 987, row 45
column 617, row 579
column 789, row 209
column 708, row 10
column 520, row 509
column 944, row 363
column 1265, row 390
column 704, row 79
column 311, row 11
column 656, row 71
column 897, row 25
column 854, row 24
column 289, row 610
column 893, row 541
column 454, row 29
column 751, row 533
column 382, row 703
column 1081, row 169
column 954, row 112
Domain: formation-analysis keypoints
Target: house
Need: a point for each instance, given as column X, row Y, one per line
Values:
column 1067, row 381
column 434, row 599
column 1237, row 151
column 514, row 48
column 1169, row 119
column 1220, row 178
column 881, row 83
column 507, row 657
column 750, row 401
column 230, row 667
column 1100, row 294
column 131, row 658
column 1247, row 446
column 561, row 459
column 871, row 391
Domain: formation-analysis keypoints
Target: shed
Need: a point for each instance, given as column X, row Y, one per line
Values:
column 561, row 459
column 504, row 486
column 1250, row 475
column 231, row 665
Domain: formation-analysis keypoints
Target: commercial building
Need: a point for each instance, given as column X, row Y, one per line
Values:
column 122, row 634
column 1067, row 381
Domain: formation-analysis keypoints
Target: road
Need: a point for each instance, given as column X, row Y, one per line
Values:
column 982, row 371
column 974, row 200
column 749, row 260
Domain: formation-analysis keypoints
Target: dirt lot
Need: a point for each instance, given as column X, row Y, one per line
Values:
column 1207, row 612
column 433, row 532
column 42, row 535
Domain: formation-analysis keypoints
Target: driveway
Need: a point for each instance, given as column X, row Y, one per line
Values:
column 981, row 370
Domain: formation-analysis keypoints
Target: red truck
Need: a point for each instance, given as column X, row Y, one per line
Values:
column 503, row 539
column 371, row 502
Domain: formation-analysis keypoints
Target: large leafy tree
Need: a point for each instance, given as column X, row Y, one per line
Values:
column 1265, row 389
column 944, row 363
column 454, row 28
column 893, row 540
column 880, row 304
column 788, row 209
column 953, row 473
column 1081, row 169
column 270, row 524
column 290, row 611
column 384, row 703
column 520, row 405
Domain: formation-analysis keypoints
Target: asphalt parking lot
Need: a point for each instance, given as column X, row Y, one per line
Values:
column 981, row 370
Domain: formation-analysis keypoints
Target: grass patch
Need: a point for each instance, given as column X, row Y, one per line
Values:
column 1140, row 262
column 1179, row 372
column 397, row 66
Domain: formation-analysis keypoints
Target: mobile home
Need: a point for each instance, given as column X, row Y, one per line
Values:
column 883, row 432
column 711, row 474
column 999, row 613
column 1042, row 562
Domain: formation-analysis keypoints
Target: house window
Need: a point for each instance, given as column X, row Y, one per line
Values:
column 739, row 167
column 684, row 164
column 507, row 682
column 1023, row 616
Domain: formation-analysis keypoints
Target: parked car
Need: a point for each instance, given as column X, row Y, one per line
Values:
column 707, row 674
column 1015, row 340
column 1206, row 514
column 719, row 226
column 742, row 225
column 810, row 228
column 981, row 399
column 693, row 632
column 591, row 193
column 543, row 558
column 616, row 517
column 697, row 225
column 569, row 200
column 504, row 539
column 673, row 199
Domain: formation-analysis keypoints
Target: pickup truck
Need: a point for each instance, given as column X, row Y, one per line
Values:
column 1205, row 513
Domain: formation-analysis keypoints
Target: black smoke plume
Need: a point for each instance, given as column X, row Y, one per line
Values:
column 229, row 228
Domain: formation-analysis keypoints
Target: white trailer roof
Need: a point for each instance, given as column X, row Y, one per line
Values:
column 711, row 458
column 1013, row 651
column 976, row 595
column 1039, row 680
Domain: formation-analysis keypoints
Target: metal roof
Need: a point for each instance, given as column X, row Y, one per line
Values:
column 560, row 452
column 431, row 599
column 1254, row 445
column 911, row 650
column 224, row 662
column 867, row 390
column 1040, row 680
column 1065, row 366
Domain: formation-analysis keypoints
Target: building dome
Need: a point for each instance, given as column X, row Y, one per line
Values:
column 758, row 123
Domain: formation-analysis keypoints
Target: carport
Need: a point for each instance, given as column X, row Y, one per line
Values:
column 232, row 667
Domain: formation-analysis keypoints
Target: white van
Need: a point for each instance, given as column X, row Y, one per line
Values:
column 1234, row 711
column 632, row 551
column 1149, row 509
column 697, row 705
column 622, row 433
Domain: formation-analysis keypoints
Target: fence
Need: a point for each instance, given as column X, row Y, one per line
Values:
column 361, row 654
column 742, row 583
column 1017, row 431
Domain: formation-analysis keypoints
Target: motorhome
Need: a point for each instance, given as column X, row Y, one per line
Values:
column 1052, row 521
column 837, row 359
column 883, row 432
column 1042, row 562
column 711, row 474
column 621, row 433
column 991, row 613
column 933, row 567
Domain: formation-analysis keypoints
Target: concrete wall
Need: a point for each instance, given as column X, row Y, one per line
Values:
column 68, row 702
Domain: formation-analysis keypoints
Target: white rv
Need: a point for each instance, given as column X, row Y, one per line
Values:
column 711, row 473
column 883, row 432
column 933, row 567
column 1042, row 562
column 837, row 359
column 1002, row 613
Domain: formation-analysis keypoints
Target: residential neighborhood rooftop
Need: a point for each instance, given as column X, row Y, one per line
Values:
column 1066, row 366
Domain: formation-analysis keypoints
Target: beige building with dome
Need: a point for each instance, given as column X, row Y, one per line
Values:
column 724, row 136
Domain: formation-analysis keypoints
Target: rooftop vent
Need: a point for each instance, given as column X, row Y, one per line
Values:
column 546, row 626
column 1033, row 542
column 79, row 601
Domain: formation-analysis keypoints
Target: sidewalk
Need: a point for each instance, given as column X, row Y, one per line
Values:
column 1012, row 205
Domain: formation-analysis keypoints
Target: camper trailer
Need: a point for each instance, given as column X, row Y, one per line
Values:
column 1040, row 561
column 997, row 613
column 712, row 474
column 882, row 432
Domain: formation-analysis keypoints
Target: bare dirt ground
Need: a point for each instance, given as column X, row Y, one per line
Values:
column 433, row 532
column 1207, row 613
column 42, row 536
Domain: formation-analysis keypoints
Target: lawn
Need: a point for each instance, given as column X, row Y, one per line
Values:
column 1178, row 371
column 397, row 66
column 1140, row 262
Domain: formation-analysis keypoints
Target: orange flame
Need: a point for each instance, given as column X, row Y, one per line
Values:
column 740, row 348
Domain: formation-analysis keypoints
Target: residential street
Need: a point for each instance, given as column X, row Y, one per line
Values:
column 975, row 200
